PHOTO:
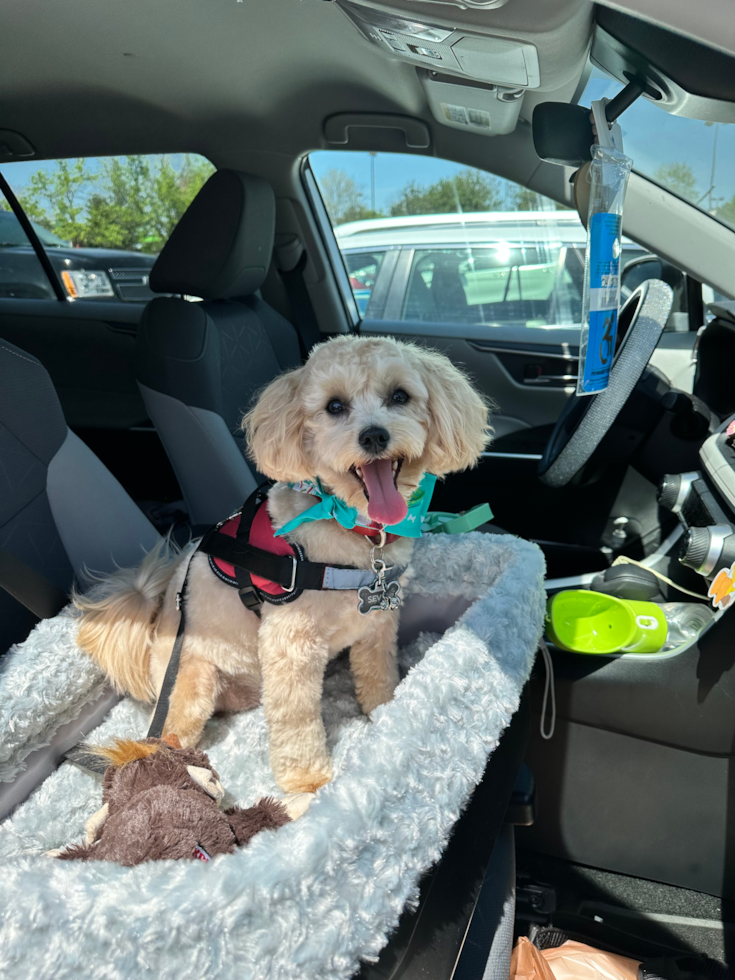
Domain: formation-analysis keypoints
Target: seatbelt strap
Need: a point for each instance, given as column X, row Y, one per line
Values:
column 302, row 310
column 29, row 587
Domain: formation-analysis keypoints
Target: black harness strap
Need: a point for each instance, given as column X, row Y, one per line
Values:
column 249, row 595
column 288, row 571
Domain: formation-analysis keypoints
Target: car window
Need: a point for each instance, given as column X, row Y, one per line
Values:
column 518, row 284
column 102, row 221
column 362, row 269
column 466, row 248
column 690, row 157
column 473, row 248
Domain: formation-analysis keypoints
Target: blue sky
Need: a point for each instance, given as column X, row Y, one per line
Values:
column 652, row 137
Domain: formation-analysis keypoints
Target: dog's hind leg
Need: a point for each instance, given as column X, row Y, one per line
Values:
column 193, row 700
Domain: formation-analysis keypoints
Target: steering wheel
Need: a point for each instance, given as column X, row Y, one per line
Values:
column 585, row 421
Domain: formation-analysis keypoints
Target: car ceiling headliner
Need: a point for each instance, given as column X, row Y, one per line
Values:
column 220, row 77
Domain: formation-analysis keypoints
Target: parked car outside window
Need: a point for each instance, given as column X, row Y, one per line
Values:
column 434, row 242
column 521, row 269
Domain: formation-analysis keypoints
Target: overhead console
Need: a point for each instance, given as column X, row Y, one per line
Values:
column 475, row 66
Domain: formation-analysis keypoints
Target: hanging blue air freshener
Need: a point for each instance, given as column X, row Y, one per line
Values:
column 608, row 175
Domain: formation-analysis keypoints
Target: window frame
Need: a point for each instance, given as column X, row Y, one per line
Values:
column 329, row 240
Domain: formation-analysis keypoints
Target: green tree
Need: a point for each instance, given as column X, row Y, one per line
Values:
column 117, row 209
column 170, row 193
column 56, row 199
column 467, row 191
column 526, row 200
column 343, row 198
column 129, row 203
column 678, row 177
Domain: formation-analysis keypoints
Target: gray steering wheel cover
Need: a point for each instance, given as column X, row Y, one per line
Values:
column 645, row 333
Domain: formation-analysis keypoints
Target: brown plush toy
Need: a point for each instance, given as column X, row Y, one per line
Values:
column 162, row 801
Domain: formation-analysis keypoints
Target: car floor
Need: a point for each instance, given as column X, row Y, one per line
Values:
column 642, row 919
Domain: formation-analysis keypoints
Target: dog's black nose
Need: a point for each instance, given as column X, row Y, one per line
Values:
column 374, row 439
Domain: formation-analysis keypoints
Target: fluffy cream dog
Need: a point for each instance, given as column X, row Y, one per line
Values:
column 368, row 417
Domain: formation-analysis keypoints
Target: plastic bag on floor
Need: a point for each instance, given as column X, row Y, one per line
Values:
column 570, row 961
column 527, row 962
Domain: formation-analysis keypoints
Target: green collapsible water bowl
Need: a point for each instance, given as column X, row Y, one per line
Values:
column 591, row 622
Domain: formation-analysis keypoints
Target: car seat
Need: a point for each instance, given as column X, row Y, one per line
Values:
column 62, row 513
column 450, row 299
column 198, row 364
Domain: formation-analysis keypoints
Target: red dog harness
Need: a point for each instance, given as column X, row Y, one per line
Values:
column 245, row 553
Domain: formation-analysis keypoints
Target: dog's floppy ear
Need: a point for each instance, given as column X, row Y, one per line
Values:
column 459, row 415
column 275, row 430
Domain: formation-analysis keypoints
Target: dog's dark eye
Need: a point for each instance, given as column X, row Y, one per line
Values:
column 399, row 397
column 335, row 406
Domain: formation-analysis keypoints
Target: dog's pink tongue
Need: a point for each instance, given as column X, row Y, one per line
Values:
column 386, row 505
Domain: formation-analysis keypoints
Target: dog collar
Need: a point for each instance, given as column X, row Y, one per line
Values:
column 330, row 507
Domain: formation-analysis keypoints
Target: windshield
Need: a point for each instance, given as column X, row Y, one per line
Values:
column 11, row 233
column 690, row 157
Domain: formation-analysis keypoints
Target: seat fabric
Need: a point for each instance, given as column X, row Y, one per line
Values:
column 61, row 511
column 199, row 364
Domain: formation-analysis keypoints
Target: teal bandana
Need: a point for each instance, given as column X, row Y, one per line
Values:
column 332, row 507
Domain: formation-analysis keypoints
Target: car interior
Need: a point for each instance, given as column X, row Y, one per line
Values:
column 120, row 418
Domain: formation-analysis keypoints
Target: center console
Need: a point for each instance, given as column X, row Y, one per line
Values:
column 704, row 502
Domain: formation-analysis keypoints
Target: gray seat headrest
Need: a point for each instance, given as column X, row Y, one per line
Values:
column 222, row 246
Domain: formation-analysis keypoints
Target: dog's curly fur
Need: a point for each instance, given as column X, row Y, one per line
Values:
column 230, row 659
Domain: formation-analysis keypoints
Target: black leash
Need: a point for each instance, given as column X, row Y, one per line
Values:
column 93, row 763
column 169, row 678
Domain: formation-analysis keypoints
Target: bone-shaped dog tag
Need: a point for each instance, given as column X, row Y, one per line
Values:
column 379, row 597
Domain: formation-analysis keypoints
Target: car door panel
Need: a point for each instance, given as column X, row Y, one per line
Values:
column 504, row 370
column 638, row 775
column 87, row 348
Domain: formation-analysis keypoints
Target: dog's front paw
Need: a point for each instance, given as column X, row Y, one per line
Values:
column 297, row 804
column 294, row 779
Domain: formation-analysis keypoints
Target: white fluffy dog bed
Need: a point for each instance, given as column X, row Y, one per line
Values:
column 313, row 898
